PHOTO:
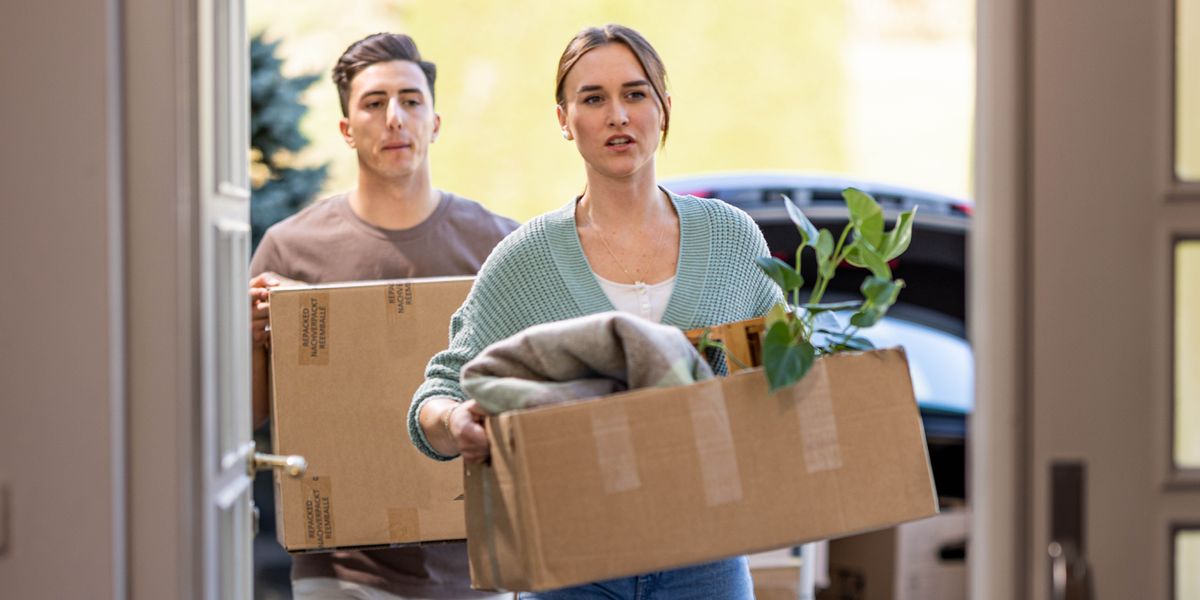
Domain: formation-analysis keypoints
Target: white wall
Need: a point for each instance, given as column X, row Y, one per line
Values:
column 61, row 399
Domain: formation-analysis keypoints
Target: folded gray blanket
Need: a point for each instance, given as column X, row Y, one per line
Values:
column 581, row 358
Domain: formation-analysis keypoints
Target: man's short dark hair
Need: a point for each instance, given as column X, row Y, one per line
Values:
column 377, row 48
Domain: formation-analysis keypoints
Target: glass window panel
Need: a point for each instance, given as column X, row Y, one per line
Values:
column 1187, row 354
column 1187, row 89
column 1187, row 556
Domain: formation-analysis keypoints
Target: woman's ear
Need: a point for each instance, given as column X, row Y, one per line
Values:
column 562, row 122
column 663, row 126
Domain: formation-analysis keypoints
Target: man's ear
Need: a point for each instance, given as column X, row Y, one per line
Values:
column 562, row 122
column 347, row 133
column 437, row 127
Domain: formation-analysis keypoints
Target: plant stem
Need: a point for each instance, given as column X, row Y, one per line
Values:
column 848, row 333
column 837, row 258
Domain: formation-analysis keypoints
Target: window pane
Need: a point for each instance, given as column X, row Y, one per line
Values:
column 1187, row 86
column 1187, row 556
column 1187, row 354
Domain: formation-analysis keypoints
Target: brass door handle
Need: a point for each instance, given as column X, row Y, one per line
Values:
column 294, row 465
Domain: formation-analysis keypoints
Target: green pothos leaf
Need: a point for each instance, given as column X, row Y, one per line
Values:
column 785, row 359
column 865, row 215
column 780, row 272
column 897, row 240
column 808, row 231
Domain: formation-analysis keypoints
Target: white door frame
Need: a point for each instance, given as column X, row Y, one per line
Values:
column 998, row 307
column 162, row 203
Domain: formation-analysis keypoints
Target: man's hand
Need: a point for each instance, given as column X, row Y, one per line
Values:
column 260, row 305
column 260, row 319
column 465, row 424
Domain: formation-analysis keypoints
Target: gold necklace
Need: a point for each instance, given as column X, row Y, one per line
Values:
column 637, row 281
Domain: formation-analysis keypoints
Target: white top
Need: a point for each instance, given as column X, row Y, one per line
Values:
column 646, row 301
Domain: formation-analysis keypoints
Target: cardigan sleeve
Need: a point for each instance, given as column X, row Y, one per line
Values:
column 763, row 292
column 468, row 337
column 491, row 312
column 766, row 292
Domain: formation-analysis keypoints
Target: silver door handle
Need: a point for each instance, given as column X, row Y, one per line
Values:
column 1069, row 578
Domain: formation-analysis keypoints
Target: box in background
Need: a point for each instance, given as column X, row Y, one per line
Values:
column 776, row 574
column 924, row 560
column 661, row 478
column 345, row 361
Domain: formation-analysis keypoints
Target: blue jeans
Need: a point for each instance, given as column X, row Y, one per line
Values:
column 722, row 580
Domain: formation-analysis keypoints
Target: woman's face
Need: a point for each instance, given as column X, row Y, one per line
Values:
column 610, row 110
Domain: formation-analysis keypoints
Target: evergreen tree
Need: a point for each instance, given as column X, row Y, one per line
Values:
column 275, row 113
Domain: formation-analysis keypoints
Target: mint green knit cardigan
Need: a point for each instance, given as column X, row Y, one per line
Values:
column 540, row 274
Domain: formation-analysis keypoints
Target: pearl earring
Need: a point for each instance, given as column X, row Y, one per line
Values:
column 565, row 136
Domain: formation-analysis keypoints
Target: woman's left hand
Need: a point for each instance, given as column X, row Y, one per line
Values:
column 466, row 425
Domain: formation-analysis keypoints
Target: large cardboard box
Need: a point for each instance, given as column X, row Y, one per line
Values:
column 661, row 478
column 924, row 560
column 345, row 361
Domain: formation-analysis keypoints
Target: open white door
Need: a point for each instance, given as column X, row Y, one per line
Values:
column 226, row 445
column 1086, row 458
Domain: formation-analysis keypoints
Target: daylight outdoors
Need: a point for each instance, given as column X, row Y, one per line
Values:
column 877, row 89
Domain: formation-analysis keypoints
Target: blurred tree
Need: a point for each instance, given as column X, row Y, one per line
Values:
column 278, row 189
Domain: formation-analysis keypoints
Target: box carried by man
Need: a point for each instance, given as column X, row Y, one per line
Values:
column 345, row 360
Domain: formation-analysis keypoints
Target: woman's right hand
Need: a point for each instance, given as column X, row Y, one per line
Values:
column 465, row 424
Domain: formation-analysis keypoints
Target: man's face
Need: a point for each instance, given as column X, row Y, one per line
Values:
column 391, row 120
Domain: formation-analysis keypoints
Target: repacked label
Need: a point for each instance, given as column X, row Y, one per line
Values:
column 318, row 511
column 314, row 329
column 399, row 298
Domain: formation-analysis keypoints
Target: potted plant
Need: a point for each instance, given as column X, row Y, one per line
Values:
column 796, row 332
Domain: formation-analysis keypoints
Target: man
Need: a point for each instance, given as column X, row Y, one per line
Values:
column 394, row 224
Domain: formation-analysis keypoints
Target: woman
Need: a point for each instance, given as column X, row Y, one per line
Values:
column 625, row 244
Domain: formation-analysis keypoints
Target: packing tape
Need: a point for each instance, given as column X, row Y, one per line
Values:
column 615, row 454
column 488, row 522
column 404, row 524
column 714, row 445
column 818, row 426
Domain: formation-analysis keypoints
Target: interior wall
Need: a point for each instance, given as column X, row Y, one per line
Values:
column 61, row 361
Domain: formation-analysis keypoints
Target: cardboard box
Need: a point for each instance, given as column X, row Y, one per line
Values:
column 924, row 560
column 345, row 362
column 661, row 478
column 776, row 574
column 776, row 583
